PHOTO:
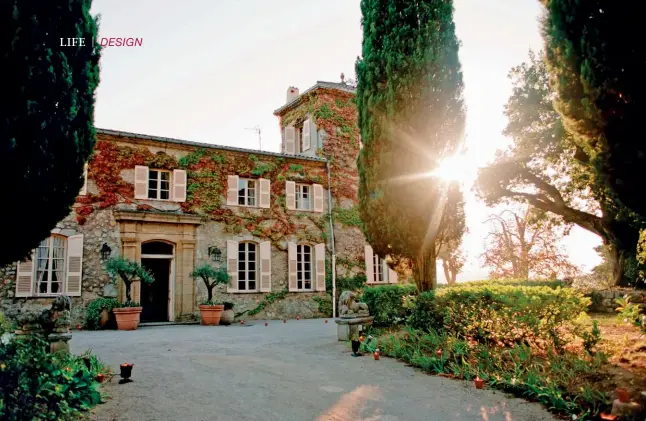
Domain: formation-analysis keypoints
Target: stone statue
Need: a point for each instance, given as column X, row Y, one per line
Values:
column 349, row 307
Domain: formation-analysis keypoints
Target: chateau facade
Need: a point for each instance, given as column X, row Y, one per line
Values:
column 276, row 221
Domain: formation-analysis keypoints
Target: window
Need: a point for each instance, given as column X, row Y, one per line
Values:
column 380, row 269
column 304, row 267
column 247, row 264
column 246, row 192
column 158, row 184
column 302, row 197
column 50, row 265
column 299, row 131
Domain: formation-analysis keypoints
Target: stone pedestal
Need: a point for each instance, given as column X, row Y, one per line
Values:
column 59, row 341
column 627, row 410
column 347, row 327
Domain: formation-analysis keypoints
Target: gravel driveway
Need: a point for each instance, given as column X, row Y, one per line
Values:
column 283, row 372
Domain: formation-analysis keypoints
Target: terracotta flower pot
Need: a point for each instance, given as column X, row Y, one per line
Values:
column 211, row 314
column 127, row 317
column 479, row 383
column 623, row 395
column 100, row 377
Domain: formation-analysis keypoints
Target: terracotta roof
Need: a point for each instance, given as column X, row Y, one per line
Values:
column 203, row 145
column 319, row 85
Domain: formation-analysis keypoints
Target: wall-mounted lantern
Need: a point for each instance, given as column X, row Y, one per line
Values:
column 105, row 251
column 215, row 253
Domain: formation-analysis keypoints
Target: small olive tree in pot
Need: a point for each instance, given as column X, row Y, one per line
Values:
column 210, row 311
column 128, row 271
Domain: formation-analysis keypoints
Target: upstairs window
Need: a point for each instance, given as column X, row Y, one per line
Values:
column 246, row 192
column 159, row 184
column 303, row 197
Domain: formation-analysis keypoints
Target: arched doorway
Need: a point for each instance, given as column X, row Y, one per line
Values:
column 157, row 298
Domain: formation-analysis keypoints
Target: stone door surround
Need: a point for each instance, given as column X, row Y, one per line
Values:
column 137, row 227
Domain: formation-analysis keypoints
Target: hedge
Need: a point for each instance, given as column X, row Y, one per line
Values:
column 388, row 303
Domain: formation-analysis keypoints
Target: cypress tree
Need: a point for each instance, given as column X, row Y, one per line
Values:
column 46, row 115
column 411, row 115
column 595, row 52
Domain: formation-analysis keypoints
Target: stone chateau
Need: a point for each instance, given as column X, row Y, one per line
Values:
column 274, row 220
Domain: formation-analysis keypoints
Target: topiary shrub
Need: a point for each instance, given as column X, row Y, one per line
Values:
column 94, row 309
column 388, row 303
column 129, row 272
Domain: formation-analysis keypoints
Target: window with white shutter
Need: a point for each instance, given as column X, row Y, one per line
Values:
column 141, row 182
column 265, row 193
column 290, row 140
column 25, row 277
column 318, row 197
column 232, row 190
column 179, row 186
column 290, row 195
column 74, row 265
column 303, row 197
column 265, row 266
column 306, row 140
column 232, row 265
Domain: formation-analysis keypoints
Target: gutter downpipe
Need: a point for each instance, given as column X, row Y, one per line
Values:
column 329, row 201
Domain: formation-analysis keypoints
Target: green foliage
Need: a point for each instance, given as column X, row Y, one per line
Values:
column 387, row 303
column 94, row 309
column 600, row 89
column 128, row 271
column 296, row 168
column 192, row 158
column 324, row 112
column 262, row 168
column 507, row 315
column 211, row 277
column 350, row 283
column 592, row 338
column 425, row 314
column 325, row 304
column 631, row 313
column 269, row 299
column 47, row 115
column 349, row 217
column 37, row 385
column 411, row 115
column 550, row 283
column 564, row 382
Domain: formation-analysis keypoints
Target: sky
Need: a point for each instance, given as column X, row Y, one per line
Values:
column 211, row 70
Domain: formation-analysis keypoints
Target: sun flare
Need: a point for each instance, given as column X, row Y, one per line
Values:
column 455, row 168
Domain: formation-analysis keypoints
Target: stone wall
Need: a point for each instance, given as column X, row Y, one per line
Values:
column 605, row 301
column 100, row 228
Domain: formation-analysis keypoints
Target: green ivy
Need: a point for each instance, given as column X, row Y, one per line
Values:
column 192, row 158
column 325, row 304
column 269, row 299
column 349, row 217
column 296, row 168
column 262, row 168
column 324, row 112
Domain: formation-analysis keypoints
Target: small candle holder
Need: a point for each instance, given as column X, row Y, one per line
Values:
column 126, row 373
column 376, row 354
column 479, row 382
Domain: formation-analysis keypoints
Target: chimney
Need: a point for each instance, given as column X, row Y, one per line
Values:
column 292, row 94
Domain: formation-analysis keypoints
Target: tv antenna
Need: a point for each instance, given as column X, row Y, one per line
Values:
column 257, row 130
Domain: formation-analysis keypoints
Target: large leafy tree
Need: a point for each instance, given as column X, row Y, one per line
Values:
column 46, row 115
column 595, row 53
column 545, row 168
column 411, row 115
column 524, row 244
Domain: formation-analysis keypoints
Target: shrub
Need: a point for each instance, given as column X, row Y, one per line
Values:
column 565, row 383
column 211, row 277
column 508, row 315
column 551, row 283
column 129, row 272
column 324, row 304
column 36, row 385
column 94, row 309
column 425, row 314
column 631, row 313
column 388, row 303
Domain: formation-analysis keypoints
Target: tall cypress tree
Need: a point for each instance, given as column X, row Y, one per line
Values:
column 595, row 52
column 411, row 115
column 46, row 115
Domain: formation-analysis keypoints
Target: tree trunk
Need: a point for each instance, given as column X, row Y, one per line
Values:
column 425, row 270
column 618, row 264
column 128, row 285
column 209, row 290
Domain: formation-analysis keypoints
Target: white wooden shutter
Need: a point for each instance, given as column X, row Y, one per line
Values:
column 290, row 140
column 232, row 190
column 265, row 266
column 265, row 193
column 141, row 182
column 290, row 195
column 307, row 134
column 74, row 265
column 179, row 185
column 369, row 258
column 25, row 276
column 232, row 265
column 83, row 191
column 319, row 254
column 318, row 198
column 291, row 275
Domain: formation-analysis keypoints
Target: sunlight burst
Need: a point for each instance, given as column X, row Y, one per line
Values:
column 455, row 168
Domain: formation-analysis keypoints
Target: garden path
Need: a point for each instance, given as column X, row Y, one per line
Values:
column 280, row 372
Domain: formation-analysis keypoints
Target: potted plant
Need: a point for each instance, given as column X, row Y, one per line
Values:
column 210, row 311
column 228, row 314
column 128, row 313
